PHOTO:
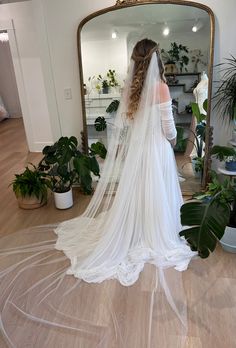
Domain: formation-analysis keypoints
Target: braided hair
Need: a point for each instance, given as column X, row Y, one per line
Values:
column 142, row 54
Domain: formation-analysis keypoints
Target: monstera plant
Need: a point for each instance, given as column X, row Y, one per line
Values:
column 212, row 218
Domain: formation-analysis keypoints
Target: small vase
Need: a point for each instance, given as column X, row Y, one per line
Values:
column 63, row 200
column 105, row 90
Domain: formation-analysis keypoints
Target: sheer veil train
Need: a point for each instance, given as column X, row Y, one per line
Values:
column 131, row 220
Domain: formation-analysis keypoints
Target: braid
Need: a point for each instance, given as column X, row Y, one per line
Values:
column 142, row 55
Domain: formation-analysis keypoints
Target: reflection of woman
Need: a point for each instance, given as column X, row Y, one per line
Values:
column 114, row 238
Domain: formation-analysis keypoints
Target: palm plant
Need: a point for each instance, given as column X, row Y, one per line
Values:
column 225, row 95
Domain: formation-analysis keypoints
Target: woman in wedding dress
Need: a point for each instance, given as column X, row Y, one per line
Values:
column 138, row 220
column 133, row 219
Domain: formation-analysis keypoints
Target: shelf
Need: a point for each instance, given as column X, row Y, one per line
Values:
column 183, row 74
column 177, row 85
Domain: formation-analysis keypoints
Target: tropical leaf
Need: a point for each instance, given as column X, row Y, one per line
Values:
column 207, row 221
column 100, row 124
column 98, row 148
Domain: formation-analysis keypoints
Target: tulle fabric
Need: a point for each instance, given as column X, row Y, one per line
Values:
column 131, row 222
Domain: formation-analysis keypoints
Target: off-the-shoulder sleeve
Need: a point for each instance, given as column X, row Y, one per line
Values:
column 167, row 120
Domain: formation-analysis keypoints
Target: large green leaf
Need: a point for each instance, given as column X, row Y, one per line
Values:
column 82, row 167
column 100, row 124
column 98, row 148
column 207, row 221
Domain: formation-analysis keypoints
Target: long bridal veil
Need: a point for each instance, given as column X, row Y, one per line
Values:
column 43, row 305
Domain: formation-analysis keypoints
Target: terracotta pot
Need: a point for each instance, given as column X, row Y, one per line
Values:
column 30, row 202
column 171, row 68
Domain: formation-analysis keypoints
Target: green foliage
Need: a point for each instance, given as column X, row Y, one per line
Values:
column 84, row 165
column 207, row 221
column 181, row 142
column 196, row 111
column 113, row 107
column 112, row 80
column 100, row 124
column 199, row 164
column 223, row 152
column 209, row 217
column 176, row 54
column 64, row 164
column 225, row 95
column 98, row 148
column 30, row 183
column 105, row 84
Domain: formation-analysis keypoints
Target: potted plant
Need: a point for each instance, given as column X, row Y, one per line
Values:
column 105, row 87
column 227, row 154
column 211, row 220
column 64, row 165
column 31, row 188
column 176, row 55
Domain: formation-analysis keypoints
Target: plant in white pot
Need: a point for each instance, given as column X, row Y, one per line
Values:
column 31, row 188
column 65, row 165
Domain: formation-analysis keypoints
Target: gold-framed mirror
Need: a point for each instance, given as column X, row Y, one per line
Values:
column 185, row 33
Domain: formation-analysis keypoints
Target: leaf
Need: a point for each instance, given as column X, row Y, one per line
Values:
column 98, row 149
column 100, row 124
column 207, row 221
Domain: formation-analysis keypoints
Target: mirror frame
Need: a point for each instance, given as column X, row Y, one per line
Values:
column 129, row 3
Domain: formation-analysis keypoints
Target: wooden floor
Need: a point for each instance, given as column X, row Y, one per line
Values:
column 210, row 284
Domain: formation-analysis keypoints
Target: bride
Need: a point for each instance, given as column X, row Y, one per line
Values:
column 133, row 218
column 134, row 215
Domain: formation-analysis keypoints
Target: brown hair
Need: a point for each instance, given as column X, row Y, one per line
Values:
column 142, row 54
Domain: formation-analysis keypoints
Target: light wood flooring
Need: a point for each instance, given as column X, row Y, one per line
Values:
column 210, row 284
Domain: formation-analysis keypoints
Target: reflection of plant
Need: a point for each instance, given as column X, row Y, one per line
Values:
column 226, row 93
column 176, row 55
column 112, row 79
column 198, row 164
column 105, row 84
column 181, row 142
column 100, row 124
column 113, row 106
column 197, row 58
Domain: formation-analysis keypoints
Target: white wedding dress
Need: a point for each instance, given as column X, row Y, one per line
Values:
column 134, row 216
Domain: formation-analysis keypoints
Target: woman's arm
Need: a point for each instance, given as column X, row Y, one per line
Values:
column 167, row 119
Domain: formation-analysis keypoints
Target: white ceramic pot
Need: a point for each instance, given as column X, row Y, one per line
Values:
column 63, row 200
column 228, row 241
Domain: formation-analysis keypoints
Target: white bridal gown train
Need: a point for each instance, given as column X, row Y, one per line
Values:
column 133, row 218
column 134, row 215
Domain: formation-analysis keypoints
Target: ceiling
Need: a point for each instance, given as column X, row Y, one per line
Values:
column 179, row 18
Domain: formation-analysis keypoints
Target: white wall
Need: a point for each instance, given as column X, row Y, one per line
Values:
column 112, row 56
column 29, row 76
column 8, row 88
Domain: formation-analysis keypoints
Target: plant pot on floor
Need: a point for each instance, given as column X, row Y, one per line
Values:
column 228, row 241
column 197, row 172
column 30, row 202
column 63, row 200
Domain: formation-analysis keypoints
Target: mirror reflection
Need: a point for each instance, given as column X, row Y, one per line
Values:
column 183, row 34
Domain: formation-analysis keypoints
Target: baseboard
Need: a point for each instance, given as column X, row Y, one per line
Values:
column 38, row 146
